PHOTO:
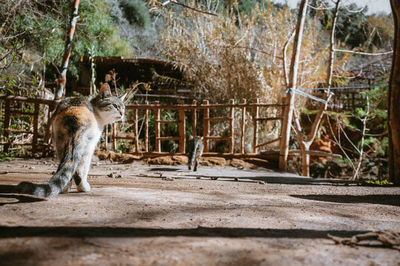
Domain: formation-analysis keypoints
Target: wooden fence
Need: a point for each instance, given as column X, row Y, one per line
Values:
column 198, row 117
column 31, row 127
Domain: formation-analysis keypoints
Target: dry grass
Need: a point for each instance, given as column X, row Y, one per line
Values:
column 235, row 56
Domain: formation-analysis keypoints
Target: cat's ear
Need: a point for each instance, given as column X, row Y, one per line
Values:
column 122, row 98
column 105, row 91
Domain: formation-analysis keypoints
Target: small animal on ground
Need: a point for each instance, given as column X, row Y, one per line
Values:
column 195, row 149
column 77, row 126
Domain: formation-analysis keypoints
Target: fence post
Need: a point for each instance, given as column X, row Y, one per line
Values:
column 255, row 125
column 242, row 125
column 206, row 127
column 146, row 129
column 6, row 124
column 181, row 127
column 194, row 132
column 157, row 118
column 114, row 136
column 35, row 128
column 231, row 126
column 135, row 130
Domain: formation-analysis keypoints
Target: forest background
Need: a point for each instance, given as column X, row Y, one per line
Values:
column 232, row 49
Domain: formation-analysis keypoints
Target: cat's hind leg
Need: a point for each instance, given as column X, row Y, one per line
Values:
column 80, row 176
column 67, row 189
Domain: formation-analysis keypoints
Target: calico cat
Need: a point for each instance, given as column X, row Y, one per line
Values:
column 77, row 127
column 196, row 147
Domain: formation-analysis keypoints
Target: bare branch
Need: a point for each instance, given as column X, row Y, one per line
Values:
column 363, row 53
column 284, row 57
column 189, row 7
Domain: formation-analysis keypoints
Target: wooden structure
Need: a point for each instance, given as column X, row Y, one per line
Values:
column 155, row 79
column 30, row 134
column 183, row 111
column 142, row 118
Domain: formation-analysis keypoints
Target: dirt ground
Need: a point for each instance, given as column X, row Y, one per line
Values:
column 140, row 214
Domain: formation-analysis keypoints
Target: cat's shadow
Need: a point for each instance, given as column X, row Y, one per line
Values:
column 9, row 192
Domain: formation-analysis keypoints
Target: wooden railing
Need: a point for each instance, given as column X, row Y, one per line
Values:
column 183, row 113
column 29, row 132
column 246, row 116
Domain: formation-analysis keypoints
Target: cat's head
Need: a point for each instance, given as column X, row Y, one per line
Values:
column 109, row 108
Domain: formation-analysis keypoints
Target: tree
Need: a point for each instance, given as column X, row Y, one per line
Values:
column 288, row 113
column 394, row 99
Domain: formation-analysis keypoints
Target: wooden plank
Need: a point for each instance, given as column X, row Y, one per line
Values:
column 35, row 127
column 167, row 138
column 220, row 118
column 136, row 129
column 194, row 118
column 26, row 99
column 6, row 125
column 167, row 122
column 157, row 126
column 146, row 130
column 182, row 129
column 114, row 135
column 121, row 137
column 317, row 153
column 255, row 125
column 217, row 138
column 268, row 142
column 202, row 107
column 242, row 127
column 231, row 126
column 206, row 125
column 269, row 118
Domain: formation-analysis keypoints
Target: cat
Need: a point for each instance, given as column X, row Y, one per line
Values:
column 195, row 148
column 77, row 126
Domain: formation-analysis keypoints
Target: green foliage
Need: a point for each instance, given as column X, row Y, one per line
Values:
column 354, row 28
column 36, row 33
column 377, row 182
column 136, row 12
column 4, row 157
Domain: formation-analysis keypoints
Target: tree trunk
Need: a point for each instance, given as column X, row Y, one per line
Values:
column 288, row 115
column 394, row 100
column 306, row 143
column 62, row 81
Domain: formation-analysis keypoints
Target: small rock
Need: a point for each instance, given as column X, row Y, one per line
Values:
column 169, row 178
column 261, row 182
column 214, row 178
column 236, row 179
column 114, row 175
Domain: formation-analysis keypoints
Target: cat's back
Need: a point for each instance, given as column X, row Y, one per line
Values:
column 74, row 113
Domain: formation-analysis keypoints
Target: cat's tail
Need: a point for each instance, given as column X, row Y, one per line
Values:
column 59, row 181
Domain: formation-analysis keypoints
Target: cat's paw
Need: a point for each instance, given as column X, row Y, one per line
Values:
column 84, row 186
column 67, row 189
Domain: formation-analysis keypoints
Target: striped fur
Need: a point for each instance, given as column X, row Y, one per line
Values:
column 196, row 147
column 77, row 126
